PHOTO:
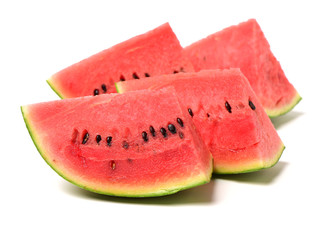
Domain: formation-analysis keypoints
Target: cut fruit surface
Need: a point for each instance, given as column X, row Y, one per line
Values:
column 226, row 113
column 121, row 144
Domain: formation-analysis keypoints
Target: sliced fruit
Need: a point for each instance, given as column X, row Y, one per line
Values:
column 153, row 53
column 244, row 46
column 121, row 144
column 227, row 114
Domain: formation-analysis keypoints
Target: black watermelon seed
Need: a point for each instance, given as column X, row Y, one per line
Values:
column 129, row 160
column 125, row 145
column 228, row 107
column 175, row 71
column 112, row 165
column 109, row 140
column 147, row 75
column 122, row 78
column 208, row 115
column 152, row 131
column 104, row 88
column 172, row 128
column 190, row 112
column 135, row 76
column 144, row 136
column 164, row 132
column 96, row 92
column 251, row 105
column 98, row 138
column 180, row 122
column 85, row 138
column 181, row 135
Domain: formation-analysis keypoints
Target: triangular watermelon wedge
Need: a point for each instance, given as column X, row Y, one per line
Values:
column 227, row 114
column 121, row 144
column 244, row 46
column 153, row 53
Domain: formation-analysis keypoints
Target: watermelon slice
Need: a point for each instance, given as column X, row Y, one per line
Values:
column 244, row 46
column 227, row 114
column 153, row 53
column 137, row 144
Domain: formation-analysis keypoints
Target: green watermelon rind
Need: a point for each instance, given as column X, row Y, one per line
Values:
column 272, row 113
column 161, row 192
column 117, row 88
column 268, row 164
column 53, row 88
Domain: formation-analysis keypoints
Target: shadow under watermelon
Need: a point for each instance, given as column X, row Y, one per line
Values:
column 280, row 121
column 198, row 195
column 264, row 176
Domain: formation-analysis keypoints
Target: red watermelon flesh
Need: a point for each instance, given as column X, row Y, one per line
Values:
column 227, row 114
column 244, row 46
column 153, row 53
column 99, row 144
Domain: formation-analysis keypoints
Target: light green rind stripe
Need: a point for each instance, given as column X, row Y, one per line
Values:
column 117, row 87
column 159, row 193
column 278, row 112
column 257, row 167
column 53, row 88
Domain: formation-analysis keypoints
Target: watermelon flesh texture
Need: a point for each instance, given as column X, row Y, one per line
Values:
column 244, row 46
column 226, row 113
column 153, row 53
column 131, row 164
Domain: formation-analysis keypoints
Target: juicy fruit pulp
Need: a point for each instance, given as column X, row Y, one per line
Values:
column 244, row 46
column 104, row 143
column 227, row 115
column 153, row 53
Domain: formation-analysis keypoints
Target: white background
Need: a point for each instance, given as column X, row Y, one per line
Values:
column 288, row 201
